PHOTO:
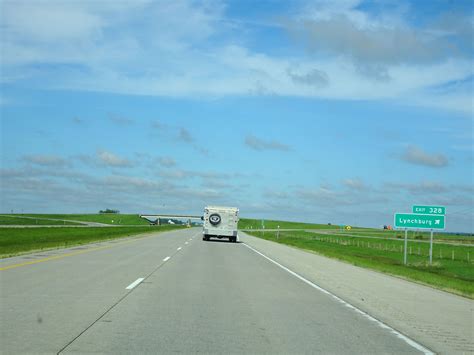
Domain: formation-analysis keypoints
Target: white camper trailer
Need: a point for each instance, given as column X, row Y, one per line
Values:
column 220, row 222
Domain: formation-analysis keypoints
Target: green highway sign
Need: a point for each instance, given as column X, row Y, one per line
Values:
column 419, row 221
column 438, row 210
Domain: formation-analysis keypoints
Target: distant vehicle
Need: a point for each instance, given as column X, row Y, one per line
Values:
column 170, row 221
column 220, row 222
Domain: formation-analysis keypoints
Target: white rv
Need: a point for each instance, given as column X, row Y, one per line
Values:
column 220, row 222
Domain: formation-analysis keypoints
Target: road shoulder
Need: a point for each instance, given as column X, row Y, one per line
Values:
column 437, row 319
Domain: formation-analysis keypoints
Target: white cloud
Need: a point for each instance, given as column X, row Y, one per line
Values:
column 44, row 21
column 166, row 162
column 322, row 196
column 418, row 156
column 109, row 159
column 120, row 120
column 313, row 77
column 355, row 184
column 185, row 136
column 45, row 160
column 256, row 143
column 175, row 52
column 378, row 44
column 420, row 188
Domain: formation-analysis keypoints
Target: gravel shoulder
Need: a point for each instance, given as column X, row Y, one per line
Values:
column 439, row 320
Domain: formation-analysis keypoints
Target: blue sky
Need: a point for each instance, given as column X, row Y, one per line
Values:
column 320, row 111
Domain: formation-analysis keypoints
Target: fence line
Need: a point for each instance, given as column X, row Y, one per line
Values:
column 388, row 247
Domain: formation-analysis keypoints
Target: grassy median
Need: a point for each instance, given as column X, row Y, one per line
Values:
column 14, row 241
column 106, row 218
column 452, row 269
column 14, row 220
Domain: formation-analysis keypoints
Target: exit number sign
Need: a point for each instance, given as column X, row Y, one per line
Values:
column 438, row 210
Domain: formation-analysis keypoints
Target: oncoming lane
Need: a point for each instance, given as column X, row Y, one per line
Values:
column 44, row 305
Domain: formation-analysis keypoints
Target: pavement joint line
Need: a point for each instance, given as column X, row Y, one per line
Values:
column 134, row 283
column 112, row 307
column 94, row 322
column 381, row 324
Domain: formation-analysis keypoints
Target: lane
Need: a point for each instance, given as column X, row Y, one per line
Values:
column 442, row 321
column 45, row 305
column 219, row 297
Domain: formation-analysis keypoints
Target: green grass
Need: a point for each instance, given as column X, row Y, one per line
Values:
column 12, row 220
column 106, row 218
column 411, row 235
column 15, row 241
column 247, row 223
column 456, row 276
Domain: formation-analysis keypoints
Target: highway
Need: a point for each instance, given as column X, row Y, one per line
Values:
column 171, row 292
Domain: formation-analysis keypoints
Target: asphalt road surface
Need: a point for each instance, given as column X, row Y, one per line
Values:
column 174, row 293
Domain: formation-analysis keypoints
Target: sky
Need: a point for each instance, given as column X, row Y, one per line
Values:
column 340, row 112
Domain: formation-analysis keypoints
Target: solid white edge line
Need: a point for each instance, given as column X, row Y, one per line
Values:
column 167, row 258
column 134, row 283
column 409, row 341
column 179, row 248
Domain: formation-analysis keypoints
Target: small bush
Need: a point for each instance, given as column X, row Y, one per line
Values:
column 109, row 211
column 426, row 265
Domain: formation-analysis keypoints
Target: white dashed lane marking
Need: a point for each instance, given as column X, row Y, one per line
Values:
column 135, row 283
column 399, row 335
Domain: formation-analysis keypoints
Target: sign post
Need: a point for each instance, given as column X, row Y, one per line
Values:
column 431, row 247
column 432, row 217
column 435, row 210
column 405, row 247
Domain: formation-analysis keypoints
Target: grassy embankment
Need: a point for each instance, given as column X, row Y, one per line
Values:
column 418, row 235
column 452, row 269
column 106, row 218
column 12, row 220
column 15, row 241
column 246, row 223
column 251, row 224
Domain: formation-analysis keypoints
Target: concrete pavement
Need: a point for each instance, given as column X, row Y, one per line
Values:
column 45, row 304
column 442, row 321
column 195, row 296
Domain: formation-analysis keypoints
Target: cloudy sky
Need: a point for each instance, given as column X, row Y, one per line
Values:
column 324, row 111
